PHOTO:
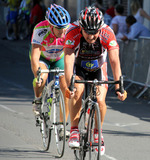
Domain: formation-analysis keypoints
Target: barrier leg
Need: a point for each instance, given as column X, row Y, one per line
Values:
column 142, row 92
column 129, row 85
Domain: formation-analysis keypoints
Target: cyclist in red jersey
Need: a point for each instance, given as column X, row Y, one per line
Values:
column 87, row 43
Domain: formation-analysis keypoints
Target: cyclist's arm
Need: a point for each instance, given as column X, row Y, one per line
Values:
column 69, row 64
column 35, row 56
column 115, row 64
column 116, row 69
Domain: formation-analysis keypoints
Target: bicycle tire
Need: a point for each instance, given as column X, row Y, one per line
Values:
column 45, row 121
column 60, row 127
column 94, row 155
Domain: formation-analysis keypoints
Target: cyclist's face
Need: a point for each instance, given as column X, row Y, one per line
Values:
column 90, row 38
column 59, row 33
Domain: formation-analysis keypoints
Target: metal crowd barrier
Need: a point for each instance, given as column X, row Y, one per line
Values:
column 135, row 62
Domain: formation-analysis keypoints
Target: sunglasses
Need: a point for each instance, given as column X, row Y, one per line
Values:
column 91, row 31
column 60, row 28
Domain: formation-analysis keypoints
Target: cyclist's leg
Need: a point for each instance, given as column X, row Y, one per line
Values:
column 101, row 74
column 75, row 103
column 101, row 101
column 38, row 90
column 101, row 96
column 74, row 110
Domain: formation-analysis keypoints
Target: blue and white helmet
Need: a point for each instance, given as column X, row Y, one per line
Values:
column 58, row 16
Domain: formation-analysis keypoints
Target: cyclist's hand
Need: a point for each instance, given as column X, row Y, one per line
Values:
column 121, row 96
column 69, row 94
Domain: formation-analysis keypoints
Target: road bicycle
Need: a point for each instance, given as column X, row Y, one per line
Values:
column 89, row 117
column 52, row 115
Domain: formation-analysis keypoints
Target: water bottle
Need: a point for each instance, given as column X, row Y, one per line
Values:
column 56, row 81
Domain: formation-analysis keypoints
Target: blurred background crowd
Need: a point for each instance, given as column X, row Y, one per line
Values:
column 127, row 20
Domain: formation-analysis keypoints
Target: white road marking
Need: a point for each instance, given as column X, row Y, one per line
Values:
column 9, row 109
column 126, row 125
column 109, row 157
column 121, row 125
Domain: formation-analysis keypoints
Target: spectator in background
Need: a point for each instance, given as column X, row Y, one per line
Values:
column 25, row 8
column 138, row 12
column 99, row 4
column 13, row 6
column 36, row 15
column 118, row 23
column 136, row 29
column 110, row 12
column 111, row 9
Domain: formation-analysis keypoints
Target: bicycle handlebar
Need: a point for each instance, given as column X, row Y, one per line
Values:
column 39, row 71
column 96, row 82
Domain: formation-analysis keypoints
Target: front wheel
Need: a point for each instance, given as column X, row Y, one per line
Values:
column 45, row 121
column 94, row 122
column 60, row 123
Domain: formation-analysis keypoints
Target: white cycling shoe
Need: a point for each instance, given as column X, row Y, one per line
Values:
column 74, row 139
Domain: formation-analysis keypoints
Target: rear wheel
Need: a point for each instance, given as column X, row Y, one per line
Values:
column 59, row 123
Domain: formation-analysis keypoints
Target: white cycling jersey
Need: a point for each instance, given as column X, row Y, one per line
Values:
column 52, row 47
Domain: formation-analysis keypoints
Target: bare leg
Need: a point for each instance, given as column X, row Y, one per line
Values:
column 75, row 104
column 102, row 103
column 63, row 87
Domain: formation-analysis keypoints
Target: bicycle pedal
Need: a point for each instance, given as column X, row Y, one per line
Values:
column 37, row 123
column 75, row 148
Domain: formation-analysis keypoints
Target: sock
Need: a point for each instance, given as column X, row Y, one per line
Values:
column 74, row 128
column 38, row 98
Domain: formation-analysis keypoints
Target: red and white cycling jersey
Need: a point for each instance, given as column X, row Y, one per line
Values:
column 90, row 56
column 52, row 47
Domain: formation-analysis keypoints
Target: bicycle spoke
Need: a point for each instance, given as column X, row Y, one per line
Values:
column 45, row 122
column 60, row 124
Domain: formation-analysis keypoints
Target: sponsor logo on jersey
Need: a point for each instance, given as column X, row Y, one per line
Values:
column 69, row 42
column 54, row 50
column 113, row 43
column 43, row 32
column 35, row 41
column 89, row 64
column 51, row 40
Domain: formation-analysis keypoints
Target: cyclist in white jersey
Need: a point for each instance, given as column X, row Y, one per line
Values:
column 47, row 50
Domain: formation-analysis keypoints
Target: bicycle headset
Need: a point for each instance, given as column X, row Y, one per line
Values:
column 91, row 20
column 57, row 16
